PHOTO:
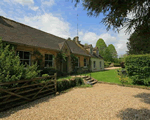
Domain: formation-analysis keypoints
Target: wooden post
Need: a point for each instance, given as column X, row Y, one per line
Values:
column 55, row 82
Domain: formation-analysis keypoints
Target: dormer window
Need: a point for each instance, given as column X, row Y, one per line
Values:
column 91, row 50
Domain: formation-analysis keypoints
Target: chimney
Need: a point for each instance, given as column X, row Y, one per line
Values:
column 76, row 39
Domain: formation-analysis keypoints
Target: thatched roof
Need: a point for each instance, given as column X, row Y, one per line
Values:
column 15, row 32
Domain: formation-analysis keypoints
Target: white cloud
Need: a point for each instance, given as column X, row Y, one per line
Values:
column 48, row 3
column 34, row 8
column 48, row 23
column 25, row 2
column 2, row 13
column 119, row 40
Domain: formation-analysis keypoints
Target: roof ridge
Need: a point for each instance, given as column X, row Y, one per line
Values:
column 31, row 27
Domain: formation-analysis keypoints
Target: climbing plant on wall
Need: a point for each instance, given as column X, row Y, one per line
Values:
column 60, row 58
column 38, row 58
column 73, row 60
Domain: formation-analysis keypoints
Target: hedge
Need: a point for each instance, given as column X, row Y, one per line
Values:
column 116, row 65
column 138, row 68
column 66, row 84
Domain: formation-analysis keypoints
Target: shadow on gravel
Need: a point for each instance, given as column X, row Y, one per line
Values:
column 134, row 114
column 28, row 105
column 145, row 97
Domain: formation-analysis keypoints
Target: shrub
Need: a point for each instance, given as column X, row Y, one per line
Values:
column 116, row 65
column 123, row 78
column 45, row 75
column 65, row 84
column 49, row 71
column 122, row 65
column 106, row 64
column 10, row 67
column 138, row 68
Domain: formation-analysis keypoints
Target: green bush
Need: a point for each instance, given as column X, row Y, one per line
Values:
column 106, row 64
column 116, row 65
column 138, row 68
column 66, row 84
column 45, row 75
column 10, row 67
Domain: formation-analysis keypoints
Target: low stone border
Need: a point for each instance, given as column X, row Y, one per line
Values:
column 134, row 86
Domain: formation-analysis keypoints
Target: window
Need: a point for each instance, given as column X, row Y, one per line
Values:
column 24, row 57
column 94, row 64
column 85, row 62
column 77, row 63
column 100, row 64
column 48, row 60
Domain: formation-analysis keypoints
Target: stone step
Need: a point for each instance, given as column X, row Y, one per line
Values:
column 94, row 82
column 91, row 80
column 88, row 78
column 85, row 77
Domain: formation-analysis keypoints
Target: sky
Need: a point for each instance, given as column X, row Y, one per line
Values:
column 59, row 17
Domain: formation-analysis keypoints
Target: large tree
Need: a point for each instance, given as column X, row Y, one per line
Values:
column 101, row 46
column 107, row 55
column 113, row 51
column 116, row 13
column 138, row 44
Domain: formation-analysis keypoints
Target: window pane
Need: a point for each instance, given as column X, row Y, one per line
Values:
column 46, row 56
column 50, row 57
column 26, row 55
column 46, row 63
column 26, row 61
column 50, row 64
column 21, row 54
column 76, row 63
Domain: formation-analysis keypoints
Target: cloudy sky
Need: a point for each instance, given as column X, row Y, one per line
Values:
column 59, row 17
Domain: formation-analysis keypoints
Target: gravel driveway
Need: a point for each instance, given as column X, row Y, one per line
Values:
column 102, row 101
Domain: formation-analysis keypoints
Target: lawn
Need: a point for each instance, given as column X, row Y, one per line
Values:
column 106, row 76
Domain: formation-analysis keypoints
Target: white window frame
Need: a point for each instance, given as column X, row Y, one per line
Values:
column 100, row 64
column 86, row 62
column 23, row 56
column 78, row 64
column 49, row 60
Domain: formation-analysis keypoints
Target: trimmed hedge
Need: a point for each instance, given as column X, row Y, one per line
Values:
column 116, row 65
column 138, row 68
column 66, row 84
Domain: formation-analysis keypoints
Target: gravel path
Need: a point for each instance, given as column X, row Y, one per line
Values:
column 110, row 68
column 102, row 101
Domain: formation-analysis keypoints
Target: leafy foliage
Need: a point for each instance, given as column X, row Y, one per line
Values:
column 10, row 67
column 112, row 51
column 101, row 46
column 60, row 58
column 38, row 57
column 138, row 44
column 138, row 68
column 116, row 13
column 65, row 84
column 73, row 60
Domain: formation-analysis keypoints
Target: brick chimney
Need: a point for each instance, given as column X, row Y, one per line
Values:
column 76, row 39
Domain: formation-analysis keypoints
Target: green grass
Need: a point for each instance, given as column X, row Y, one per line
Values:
column 106, row 76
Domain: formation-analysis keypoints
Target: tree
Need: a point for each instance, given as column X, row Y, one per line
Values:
column 86, row 44
column 116, row 11
column 138, row 44
column 101, row 46
column 112, row 51
column 107, row 55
